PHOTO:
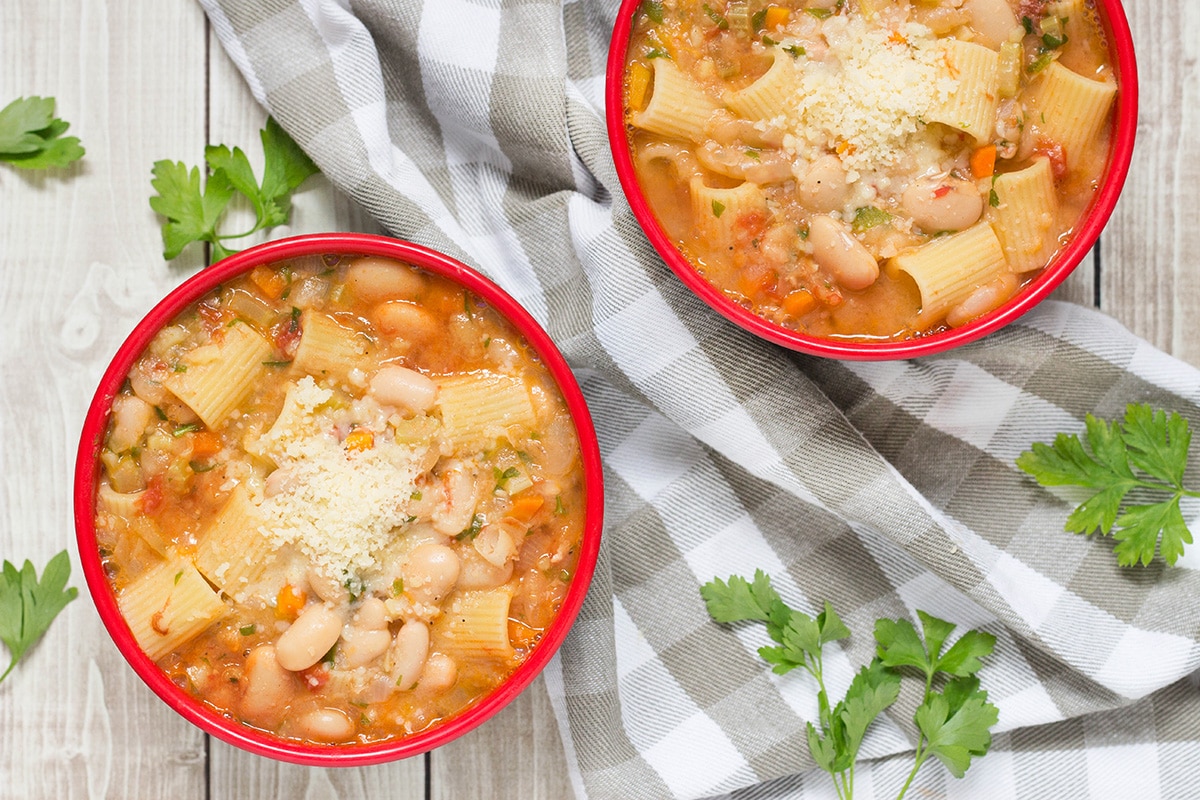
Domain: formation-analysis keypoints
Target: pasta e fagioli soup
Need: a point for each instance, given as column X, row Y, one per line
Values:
column 340, row 499
column 868, row 171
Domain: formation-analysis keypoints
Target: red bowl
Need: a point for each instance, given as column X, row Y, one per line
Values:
column 1087, row 230
column 87, row 473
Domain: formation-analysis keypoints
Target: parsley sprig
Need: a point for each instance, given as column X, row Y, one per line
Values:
column 1141, row 457
column 31, row 137
column 954, row 722
column 194, row 214
column 28, row 606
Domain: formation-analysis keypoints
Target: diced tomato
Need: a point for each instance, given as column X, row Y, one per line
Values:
column 151, row 498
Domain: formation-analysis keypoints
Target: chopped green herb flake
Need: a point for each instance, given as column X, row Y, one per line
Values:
column 471, row 532
column 657, row 52
column 178, row 575
column 653, row 9
column 718, row 19
column 200, row 466
column 184, row 429
column 993, row 199
column 869, row 217
column 820, row 13
column 795, row 50
column 158, row 412
column 718, row 208
column 247, row 630
column 276, row 363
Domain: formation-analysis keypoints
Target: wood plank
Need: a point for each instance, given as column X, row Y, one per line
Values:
column 79, row 264
column 1151, row 248
column 516, row 754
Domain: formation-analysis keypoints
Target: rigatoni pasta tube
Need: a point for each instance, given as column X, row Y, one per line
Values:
column 678, row 106
column 327, row 348
column 716, row 211
column 475, row 626
column 972, row 106
column 212, row 380
column 233, row 553
column 765, row 98
column 1024, row 217
column 1072, row 109
column 168, row 606
column 948, row 269
column 480, row 406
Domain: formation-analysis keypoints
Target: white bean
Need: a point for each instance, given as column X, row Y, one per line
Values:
column 406, row 320
column 837, row 251
column 360, row 646
column 374, row 280
column 440, row 673
column 131, row 415
column 982, row 300
column 309, row 638
column 408, row 654
column 992, row 20
column 430, row 572
column 326, row 725
column 403, row 388
column 943, row 204
column 823, row 187
column 327, row 587
column 371, row 615
column 477, row 573
column 496, row 545
column 269, row 688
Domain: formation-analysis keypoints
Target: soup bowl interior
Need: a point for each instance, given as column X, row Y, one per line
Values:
column 88, row 474
column 1085, row 233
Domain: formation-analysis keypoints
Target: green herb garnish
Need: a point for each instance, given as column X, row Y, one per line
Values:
column 193, row 215
column 1146, row 453
column 31, row 137
column 28, row 606
column 953, row 724
column 869, row 217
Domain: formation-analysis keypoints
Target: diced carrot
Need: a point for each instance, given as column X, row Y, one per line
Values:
column 983, row 161
column 638, row 86
column 775, row 17
column 798, row 303
column 290, row 602
column 525, row 505
column 205, row 444
column 360, row 439
column 270, row 282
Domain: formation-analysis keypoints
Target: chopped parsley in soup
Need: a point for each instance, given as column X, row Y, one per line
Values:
column 341, row 499
column 868, row 169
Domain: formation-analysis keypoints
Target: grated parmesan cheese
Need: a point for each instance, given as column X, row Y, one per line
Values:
column 335, row 506
column 865, row 97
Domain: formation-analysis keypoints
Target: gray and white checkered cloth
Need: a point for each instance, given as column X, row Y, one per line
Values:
column 476, row 127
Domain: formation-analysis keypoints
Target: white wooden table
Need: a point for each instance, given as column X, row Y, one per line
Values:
column 80, row 262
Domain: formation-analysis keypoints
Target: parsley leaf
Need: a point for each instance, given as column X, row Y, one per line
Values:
column 31, row 137
column 194, row 215
column 954, row 724
column 27, row 606
column 1147, row 452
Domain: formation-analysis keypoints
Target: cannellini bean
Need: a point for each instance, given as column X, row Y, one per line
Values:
column 326, row 586
column 992, row 20
column 942, row 204
column 440, row 673
column 374, row 280
column 131, row 415
column 837, row 251
column 408, row 654
column 983, row 300
column 309, row 638
column 496, row 545
column 459, row 498
column 765, row 166
column 478, row 573
column 371, row 615
column 430, row 572
column 360, row 646
column 823, row 187
column 269, row 688
column 326, row 725
column 403, row 388
column 406, row 320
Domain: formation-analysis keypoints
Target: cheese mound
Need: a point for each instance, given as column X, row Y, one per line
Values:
column 865, row 98
column 335, row 506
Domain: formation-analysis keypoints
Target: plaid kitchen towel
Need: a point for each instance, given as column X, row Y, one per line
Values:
column 476, row 127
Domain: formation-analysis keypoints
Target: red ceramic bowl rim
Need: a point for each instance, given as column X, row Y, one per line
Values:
column 87, row 475
column 1120, row 44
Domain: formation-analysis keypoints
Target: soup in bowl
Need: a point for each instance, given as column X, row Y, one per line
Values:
column 872, row 178
column 338, row 499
